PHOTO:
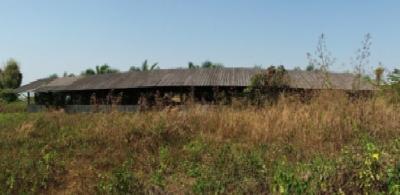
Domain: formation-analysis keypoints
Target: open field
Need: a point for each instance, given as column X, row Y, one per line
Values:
column 329, row 145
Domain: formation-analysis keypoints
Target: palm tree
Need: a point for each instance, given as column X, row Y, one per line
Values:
column 192, row 66
column 379, row 74
column 105, row 69
column 145, row 67
column 209, row 64
column 102, row 69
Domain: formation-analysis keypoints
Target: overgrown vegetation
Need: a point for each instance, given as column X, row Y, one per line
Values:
column 329, row 145
column 277, row 144
column 12, row 107
column 266, row 86
column 392, row 88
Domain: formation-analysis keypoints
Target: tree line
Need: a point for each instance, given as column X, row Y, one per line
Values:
column 144, row 67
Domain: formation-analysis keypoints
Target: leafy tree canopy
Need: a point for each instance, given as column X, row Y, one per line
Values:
column 272, row 77
column 10, row 76
column 394, row 85
column 205, row 64
column 66, row 74
column 297, row 68
column 265, row 85
column 310, row 67
column 102, row 69
column 209, row 64
column 53, row 76
column 394, row 77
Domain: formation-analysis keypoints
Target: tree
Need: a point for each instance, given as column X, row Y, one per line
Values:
column 105, row 69
column 11, row 76
column 323, row 59
column 145, row 67
column 66, row 74
column 258, row 66
column 394, row 85
column 310, row 67
column 362, row 60
column 297, row 68
column 205, row 64
column 209, row 64
column 53, row 76
column 134, row 69
column 379, row 74
column 102, row 69
column 266, row 85
column 89, row 72
column 394, row 76
column 193, row 66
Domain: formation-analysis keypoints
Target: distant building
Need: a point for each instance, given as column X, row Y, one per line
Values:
column 132, row 88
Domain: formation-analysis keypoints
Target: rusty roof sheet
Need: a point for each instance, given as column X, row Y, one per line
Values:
column 235, row 77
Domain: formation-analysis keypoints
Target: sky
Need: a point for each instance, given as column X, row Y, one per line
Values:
column 47, row 36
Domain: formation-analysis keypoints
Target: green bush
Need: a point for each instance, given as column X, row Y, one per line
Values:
column 266, row 86
column 8, row 95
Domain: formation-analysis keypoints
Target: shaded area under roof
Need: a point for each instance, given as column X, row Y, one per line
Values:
column 230, row 77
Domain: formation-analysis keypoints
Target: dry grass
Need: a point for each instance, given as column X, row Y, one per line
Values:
column 162, row 144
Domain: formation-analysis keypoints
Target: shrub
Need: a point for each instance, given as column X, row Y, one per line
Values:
column 267, row 85
column 8, row 95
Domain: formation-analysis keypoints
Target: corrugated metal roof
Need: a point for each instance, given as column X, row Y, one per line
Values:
column 59, row 84
column 33, row 85
column 239, row 77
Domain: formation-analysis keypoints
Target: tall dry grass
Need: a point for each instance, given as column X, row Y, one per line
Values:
column 163, row 144
column 327, row 122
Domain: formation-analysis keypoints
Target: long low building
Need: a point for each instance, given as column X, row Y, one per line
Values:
column 200, row 83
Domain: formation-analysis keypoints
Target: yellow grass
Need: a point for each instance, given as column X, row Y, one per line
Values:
column 92, row 146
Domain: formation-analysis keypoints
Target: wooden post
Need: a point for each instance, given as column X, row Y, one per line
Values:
column 29, row 98
column 192, row 93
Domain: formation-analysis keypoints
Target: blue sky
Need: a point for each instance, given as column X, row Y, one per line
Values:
column 48, row 36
